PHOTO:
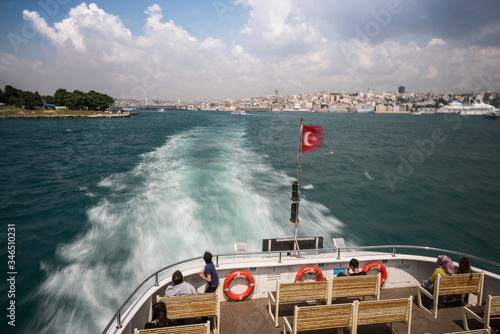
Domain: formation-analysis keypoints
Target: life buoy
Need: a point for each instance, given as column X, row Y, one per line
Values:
column 381, row 267
column 239, row 296
column 304, row 271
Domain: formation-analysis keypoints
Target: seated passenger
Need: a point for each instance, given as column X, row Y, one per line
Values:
column 354, row 266
column 179, row 287
column 464, row 268
column 159, row 318
column 445, row 267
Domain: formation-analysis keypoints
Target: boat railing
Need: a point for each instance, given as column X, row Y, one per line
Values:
column 341, row 252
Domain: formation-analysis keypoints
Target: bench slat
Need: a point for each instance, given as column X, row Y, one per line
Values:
column 355, row 286
column 383, row 311
column 495, row 306
column 301, row 291
column 351, row 315
column 192, row 306
column 295, row 292
column 324, row 317
column 457, row 284
column 188, row 306
column 186, row 329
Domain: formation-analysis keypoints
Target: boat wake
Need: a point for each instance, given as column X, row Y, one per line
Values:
column 203, row 190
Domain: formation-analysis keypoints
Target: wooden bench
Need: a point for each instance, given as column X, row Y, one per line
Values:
column 350, row 315
column 309, row 318
column 354, row 286
column 294, row 293
column 192, row 306
column 458, row 284
column 483, row 313
column 186, row 329
column 383, row 311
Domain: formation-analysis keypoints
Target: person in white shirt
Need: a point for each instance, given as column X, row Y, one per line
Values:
column 179, row 287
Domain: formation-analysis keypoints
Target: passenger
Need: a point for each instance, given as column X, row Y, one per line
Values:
column 354, row 266
column 446, row 267
column 179, row 287
column 464, row 268
column 209, row 274
column 159, row 316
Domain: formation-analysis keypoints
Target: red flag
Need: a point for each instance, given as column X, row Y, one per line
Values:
column 312, row 137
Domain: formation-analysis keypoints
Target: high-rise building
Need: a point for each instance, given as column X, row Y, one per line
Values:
column 401, row 89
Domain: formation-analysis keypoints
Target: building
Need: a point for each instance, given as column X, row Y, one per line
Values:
column 401, row 89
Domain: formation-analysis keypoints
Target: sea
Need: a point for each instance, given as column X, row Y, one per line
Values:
column 93, row 206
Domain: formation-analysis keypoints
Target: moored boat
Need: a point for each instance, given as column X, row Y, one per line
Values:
column 493, row 115
column 456, row 107
column 239, row 112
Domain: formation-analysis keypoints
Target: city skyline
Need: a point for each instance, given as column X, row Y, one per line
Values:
column 215, row 50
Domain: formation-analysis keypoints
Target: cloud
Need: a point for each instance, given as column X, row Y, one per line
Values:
column 295, row 46
column 277, row 28
column 436, row 41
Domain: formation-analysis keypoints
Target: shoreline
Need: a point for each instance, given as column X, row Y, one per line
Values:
column 126, row 114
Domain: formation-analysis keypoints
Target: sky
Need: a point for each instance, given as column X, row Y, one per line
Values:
column 213, row 50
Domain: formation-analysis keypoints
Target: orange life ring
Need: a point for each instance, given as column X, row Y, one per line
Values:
column 245, row 294
column 382, row 269
column 306, row 270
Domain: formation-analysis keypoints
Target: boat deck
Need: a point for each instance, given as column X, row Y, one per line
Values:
column 252, row 317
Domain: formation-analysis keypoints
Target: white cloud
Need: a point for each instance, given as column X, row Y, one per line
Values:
column 277, row 28
column 282, row 45
column 436, row 41
column 63, row 31
column 432, row 72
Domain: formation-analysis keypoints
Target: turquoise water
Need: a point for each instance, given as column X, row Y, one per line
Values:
column 99, row 204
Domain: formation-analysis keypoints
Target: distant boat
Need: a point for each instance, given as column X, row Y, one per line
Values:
column 161, row 110
column 239, row 112
column 493, row 115
column 456, row 107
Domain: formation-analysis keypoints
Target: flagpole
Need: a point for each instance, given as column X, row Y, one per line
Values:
column 300, row 151
column 298, row 182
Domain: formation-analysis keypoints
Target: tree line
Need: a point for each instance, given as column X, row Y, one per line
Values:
column 76, row 100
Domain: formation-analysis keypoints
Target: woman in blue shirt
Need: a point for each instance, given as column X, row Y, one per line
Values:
column 209, row 274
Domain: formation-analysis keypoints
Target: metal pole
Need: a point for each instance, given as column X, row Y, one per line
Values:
column 300, row 151
column 119, row 321
column 298, row 181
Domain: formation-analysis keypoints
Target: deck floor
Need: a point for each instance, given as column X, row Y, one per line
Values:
column 252, row 317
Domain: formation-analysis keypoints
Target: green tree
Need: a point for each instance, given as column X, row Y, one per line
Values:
column 28, row 100
column 48, row 99
column 10, row 94
column 38, row 100
column 60, row 96
column 75, row 100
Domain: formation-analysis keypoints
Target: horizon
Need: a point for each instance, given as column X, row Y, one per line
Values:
column 199, row 50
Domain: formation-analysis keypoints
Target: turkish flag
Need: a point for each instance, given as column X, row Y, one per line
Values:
column 312, row 137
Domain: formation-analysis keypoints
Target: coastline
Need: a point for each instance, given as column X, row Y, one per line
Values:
column 126, row 114
column 17, row 113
